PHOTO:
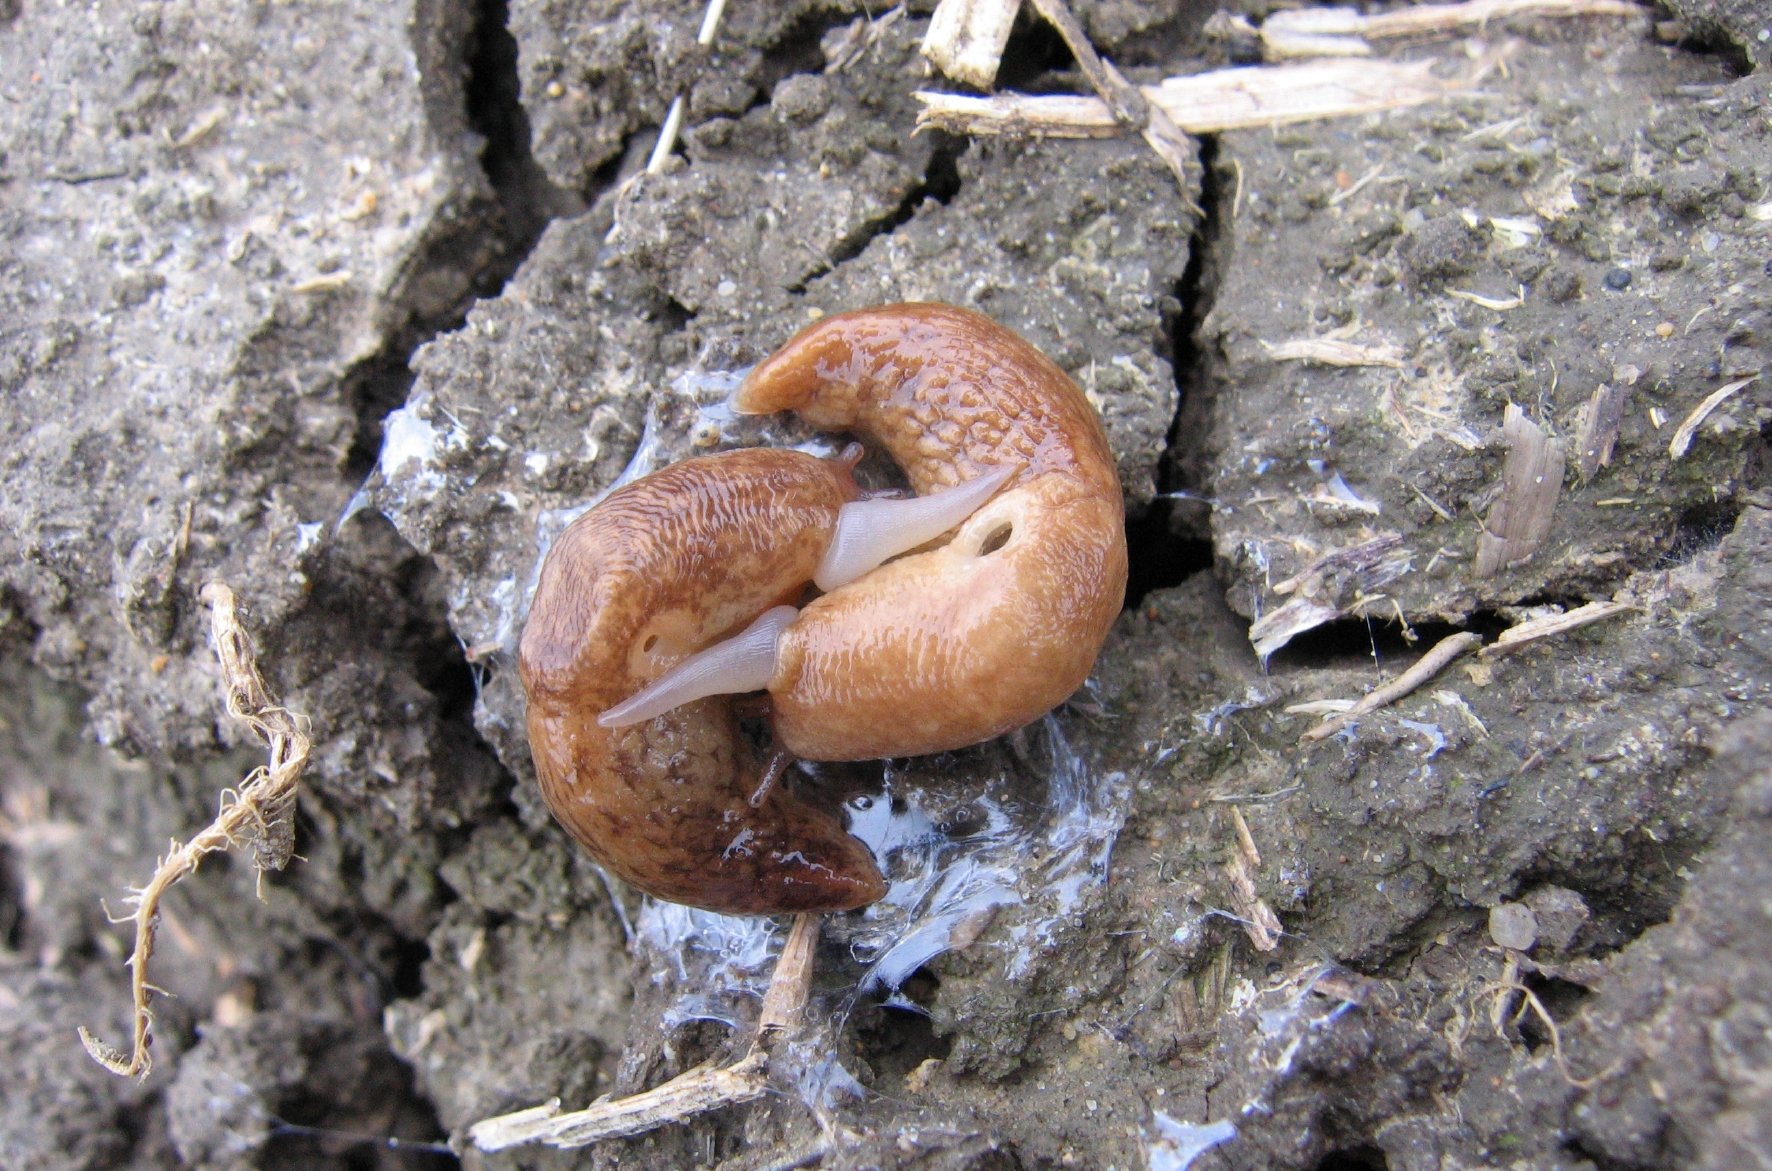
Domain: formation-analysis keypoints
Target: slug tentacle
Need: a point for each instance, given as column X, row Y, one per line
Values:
column 872, row 532
column 969, row 640
column 660, row 569
column 742, row 663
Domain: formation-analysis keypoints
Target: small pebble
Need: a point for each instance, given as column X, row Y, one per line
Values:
column 1618, row 279
column 1665, row 329
column 1513, row 926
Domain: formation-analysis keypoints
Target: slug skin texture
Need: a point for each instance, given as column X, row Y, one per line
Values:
column 956, row 645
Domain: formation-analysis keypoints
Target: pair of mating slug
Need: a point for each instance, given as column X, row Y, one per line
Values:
column 635, row 737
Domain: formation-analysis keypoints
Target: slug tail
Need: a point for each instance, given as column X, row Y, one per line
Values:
column 797, row 858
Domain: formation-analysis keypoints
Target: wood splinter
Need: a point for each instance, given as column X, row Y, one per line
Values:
column 683, row 1097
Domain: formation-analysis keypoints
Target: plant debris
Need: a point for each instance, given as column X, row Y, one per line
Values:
column 260, row 811
column 1346, row 32
column 1596, row 429
column 1525, row 633
column 966, row 38
column 1432, row 663
column 696, row 1092
column 1337, row 583
column 1331, row 351
column 1531, row 484
column 1202, row 103
column 1682, row 440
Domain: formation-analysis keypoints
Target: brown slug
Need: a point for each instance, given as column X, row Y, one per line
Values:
column 982, row 635
column 975, row 637
column 675, row 800
column 660, row 568
column 630, row 647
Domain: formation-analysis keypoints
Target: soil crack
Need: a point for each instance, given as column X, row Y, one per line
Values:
column 523, row 202
column 941, row 182
column 1170, row 540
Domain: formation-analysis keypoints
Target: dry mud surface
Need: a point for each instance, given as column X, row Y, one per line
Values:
column 348, row 305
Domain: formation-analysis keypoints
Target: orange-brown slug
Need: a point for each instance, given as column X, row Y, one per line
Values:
column 977, row 636
column 984, row 634
column 660, row 568
column 675, row 800
column 678, row 589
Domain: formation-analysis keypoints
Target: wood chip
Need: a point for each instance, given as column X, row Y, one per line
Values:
column 966, row 38
column 1336, row 583
column 1682, row 440
column 1365, row 567
column 1531, row 485
column 1228, row 99
column 1276, row 628
column 1596, row 429
column 1515, row 637
column 1555, row 198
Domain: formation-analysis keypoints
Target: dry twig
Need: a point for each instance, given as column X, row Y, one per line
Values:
column 260, row 812
column 1129, row 106
column 695, row 1092
column 1203, row 103
column 1333, row 351
column 673, row 123
column 1337, row 31
column 1682, row 440
column 1257, row 918
column 1515, row 637
column 1425, row 668
column 1245, row 839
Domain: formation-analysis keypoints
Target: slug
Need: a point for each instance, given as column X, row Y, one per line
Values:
column 677, row 802
column 660, row 568
column 982, row 634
